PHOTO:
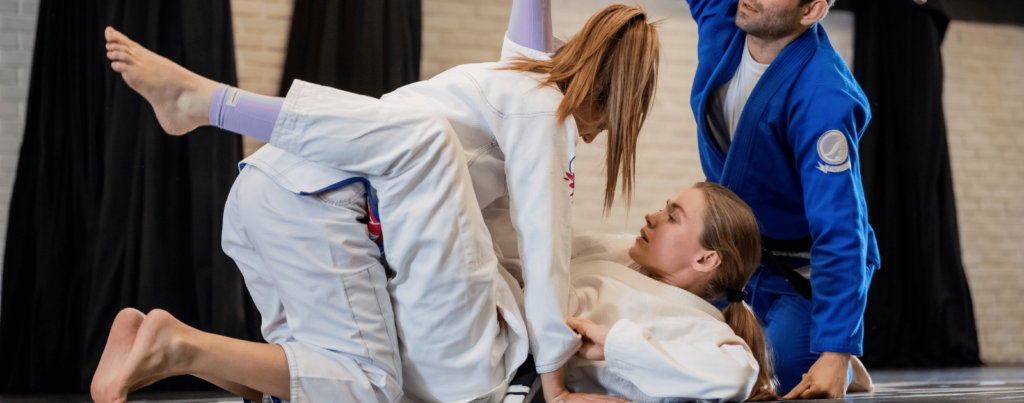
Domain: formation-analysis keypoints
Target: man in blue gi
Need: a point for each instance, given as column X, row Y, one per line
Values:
column 779, row 116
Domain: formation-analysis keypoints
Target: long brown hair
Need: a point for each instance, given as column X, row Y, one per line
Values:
column 730, row 229
column 610, row 66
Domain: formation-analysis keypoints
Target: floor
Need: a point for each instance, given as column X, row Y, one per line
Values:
column 982, row 384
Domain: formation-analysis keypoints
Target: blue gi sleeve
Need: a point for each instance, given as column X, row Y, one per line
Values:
column 825, row 127
column 707, row 10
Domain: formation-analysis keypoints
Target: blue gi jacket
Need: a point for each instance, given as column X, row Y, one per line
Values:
column 794, row 160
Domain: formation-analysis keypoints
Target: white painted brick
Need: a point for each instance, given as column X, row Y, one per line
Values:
column 11, row 23
column 15, row 58
column 29, row 8
column 13, row 92
column 26, row 41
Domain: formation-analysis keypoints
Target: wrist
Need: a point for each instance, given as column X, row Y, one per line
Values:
column 831, row 356
column 553, row 385
column 845, row 356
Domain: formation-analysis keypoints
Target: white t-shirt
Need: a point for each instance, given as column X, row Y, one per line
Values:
column 736, row 91
column 730, row 98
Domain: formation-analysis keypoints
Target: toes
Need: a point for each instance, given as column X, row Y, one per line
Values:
column 115, row 36
column 119, row 66
column 118, row 55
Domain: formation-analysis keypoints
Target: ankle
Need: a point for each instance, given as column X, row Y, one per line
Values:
column 195, row 101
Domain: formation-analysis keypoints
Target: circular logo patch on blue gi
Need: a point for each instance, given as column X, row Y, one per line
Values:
column 833, row 148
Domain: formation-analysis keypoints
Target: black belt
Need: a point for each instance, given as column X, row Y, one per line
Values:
column 769, row 246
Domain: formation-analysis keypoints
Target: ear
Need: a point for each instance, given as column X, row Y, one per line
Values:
column 707, row 261
column 814, row 12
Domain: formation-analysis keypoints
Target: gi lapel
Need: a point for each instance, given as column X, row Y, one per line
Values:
column 710, row 154
column 784, row 68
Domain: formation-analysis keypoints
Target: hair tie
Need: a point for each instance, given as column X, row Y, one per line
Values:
column 736, row 296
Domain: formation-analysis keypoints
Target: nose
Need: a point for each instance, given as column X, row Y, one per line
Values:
column 650, row 220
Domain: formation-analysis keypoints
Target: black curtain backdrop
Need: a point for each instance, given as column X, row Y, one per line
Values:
column 365, row 47
column 108, row 211
column 919, row 310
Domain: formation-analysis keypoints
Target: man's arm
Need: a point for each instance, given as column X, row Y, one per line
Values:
column 824, row 137
column 704, row 10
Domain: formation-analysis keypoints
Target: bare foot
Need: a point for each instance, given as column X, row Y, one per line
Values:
column 158, row 352
column 119, row 345
column 180, row 97
column 861, row 381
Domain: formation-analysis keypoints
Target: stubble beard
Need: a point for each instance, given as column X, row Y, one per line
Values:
column 768, row 24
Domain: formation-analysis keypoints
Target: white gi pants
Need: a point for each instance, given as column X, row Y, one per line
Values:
column 318, row 283
column 447, row 291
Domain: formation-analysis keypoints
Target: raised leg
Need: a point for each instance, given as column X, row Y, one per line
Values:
column 530, row 25
column 180, row 97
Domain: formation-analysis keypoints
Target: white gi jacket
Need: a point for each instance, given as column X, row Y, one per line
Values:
column 665, row 343
column 520, row 161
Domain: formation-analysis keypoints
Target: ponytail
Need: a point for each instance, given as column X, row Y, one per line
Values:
column 731, row 229
column 610, row 66
column 743, row 322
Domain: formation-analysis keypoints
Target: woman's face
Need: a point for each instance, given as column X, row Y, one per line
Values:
column 669, row 245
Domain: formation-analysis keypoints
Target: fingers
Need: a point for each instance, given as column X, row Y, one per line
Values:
column 576, row 324
column 799, row 389
column 815, row 391
column 585, row 350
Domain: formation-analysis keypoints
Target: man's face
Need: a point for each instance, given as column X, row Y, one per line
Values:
column 769, row 19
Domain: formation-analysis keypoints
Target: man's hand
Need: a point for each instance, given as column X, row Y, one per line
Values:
column 826, row 378
column 593, row 338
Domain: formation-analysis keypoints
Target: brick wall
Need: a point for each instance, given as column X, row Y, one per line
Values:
column 261, row 40
column 17, row 36
column 984, row 100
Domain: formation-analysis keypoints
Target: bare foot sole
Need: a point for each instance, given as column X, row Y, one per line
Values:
column 180, row 97
column 156, row 353
column 119, row 345
column 861, row 381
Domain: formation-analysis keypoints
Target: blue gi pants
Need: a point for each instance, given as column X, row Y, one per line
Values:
column 786, row 318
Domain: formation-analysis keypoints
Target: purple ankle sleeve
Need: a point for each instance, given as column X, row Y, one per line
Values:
column 530, row 25
column 245, row 113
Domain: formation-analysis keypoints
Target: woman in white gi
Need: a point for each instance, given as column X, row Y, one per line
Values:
column 643, row 306
column 478, row 150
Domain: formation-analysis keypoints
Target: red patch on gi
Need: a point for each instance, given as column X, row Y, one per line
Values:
column 373, row 225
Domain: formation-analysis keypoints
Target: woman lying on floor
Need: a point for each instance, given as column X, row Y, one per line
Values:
column 644, row 307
